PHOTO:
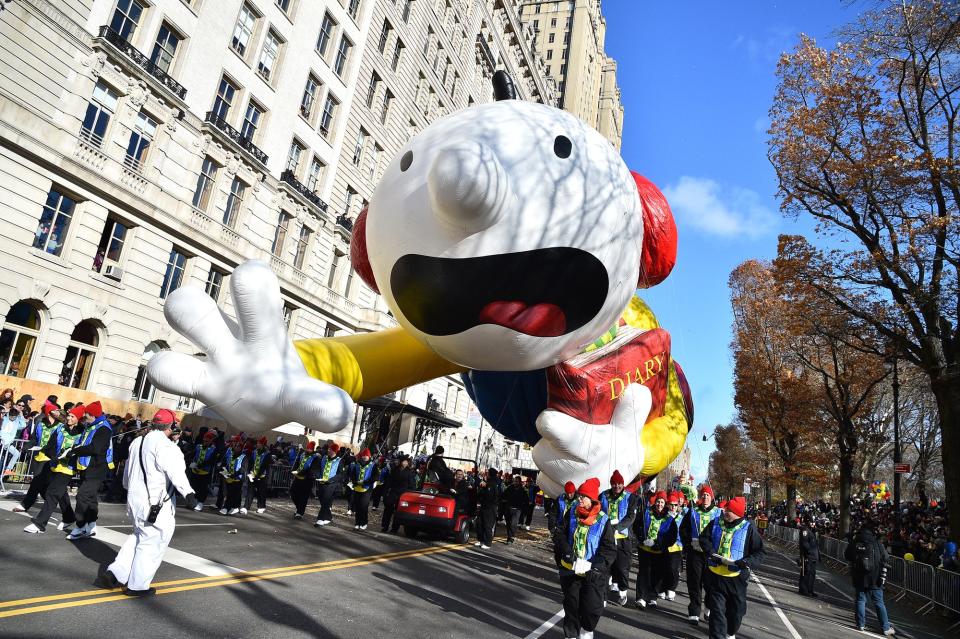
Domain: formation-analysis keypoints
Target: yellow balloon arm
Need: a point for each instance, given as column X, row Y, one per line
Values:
column 368, row 365
column 663, row 438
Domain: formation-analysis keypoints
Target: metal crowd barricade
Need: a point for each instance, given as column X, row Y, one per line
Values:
column 23, row 469
column 280, row 478
column 946, row 592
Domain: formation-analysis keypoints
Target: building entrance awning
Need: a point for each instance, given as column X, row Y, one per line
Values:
column 392, row 407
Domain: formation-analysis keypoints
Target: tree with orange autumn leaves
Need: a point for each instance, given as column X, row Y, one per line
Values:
column 864, row 139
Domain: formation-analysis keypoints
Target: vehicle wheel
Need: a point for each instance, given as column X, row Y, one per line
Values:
column 410, row 531
column 463, row 535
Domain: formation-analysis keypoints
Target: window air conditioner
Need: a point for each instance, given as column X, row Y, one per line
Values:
column 113, row 271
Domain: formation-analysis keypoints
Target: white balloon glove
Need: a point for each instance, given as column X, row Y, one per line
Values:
column 252, row 375
column 572, row 450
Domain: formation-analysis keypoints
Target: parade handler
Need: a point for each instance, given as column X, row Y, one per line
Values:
column 694, row 522
column 155, row 471
column 733, row 548
column 586, row 547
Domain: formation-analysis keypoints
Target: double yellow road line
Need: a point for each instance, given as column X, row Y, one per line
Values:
column 28, row 606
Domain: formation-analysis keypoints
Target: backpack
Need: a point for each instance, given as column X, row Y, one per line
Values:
column 862, row 558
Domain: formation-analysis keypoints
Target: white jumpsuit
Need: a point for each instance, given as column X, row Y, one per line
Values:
column 142, row 553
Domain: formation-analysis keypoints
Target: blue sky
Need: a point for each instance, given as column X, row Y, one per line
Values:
column 697, row 79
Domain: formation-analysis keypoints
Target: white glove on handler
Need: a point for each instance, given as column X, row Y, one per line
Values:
column 252, row 375
column 695, row 544
column 582, row 566
column 193, row 465
column 572, row 450
column 649, row 543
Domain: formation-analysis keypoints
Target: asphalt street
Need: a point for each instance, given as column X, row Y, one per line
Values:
column 270, row 576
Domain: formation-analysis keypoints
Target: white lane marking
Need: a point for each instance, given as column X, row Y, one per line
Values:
column 546, row 625
column 173, row 556
column 178, row 525
column 773, row 603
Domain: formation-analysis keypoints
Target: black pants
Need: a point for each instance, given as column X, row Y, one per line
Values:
column 390, row 502
column 201, row 485
column 350, row 499
column 234, row 489
column 487, row 523
column 582, row 602
column 808, row 576
column 548, row 506
column 37, row 485
column 646, row 569
column 56, row 494
column 667, row 571
column 377, row 496
column 221, row 491
column 326, row 493
column 116, row 493
column 259, row 488
column 361, row 507
column 512, row 516
column 620, row 570
column 696, row 563
column 300, row 494
column 527, row 517
column 87, row 509
column 727, row 603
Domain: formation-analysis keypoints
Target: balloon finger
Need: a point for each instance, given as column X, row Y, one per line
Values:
column 178, row 373
column 256, row 297
column 195, row 315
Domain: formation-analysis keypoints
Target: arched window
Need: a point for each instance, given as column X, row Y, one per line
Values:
column 81, row 351
column 142, row 388
column 21, row 329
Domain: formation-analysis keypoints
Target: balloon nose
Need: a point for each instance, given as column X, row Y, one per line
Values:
column 468, row 186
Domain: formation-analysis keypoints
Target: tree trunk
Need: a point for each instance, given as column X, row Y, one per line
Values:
column 792, row 500
column 846, row 479
column 947, row 391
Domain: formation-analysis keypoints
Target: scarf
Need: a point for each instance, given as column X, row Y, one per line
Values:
column 586, row 517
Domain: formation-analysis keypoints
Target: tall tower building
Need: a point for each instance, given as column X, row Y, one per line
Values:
column 570, row 35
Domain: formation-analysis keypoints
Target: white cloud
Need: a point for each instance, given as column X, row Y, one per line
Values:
column 715, row 209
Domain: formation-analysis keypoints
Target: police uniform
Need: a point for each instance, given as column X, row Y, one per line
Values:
column 621, row 509
column 809, row 556
column 694, row 523
column 732, row 549
column 586, row 549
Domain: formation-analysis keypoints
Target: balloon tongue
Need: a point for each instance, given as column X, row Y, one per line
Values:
column 539, row 320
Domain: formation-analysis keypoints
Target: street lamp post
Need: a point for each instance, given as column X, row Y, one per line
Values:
column 896, row 445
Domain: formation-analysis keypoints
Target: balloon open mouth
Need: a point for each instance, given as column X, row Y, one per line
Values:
column 544, row 292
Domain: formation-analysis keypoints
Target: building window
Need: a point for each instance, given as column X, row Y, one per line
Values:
column 140, row 139
column 385, row 106
column 563, row 69
column 293, row 157
column 205, row 183
column 343, row 53
column 334, row 269
column 330, row 331
column 406, row 10
column 547, row 69
column 269, row 55
column 284, row 5
column 251, row 120
column 316, row 172
column 224, row 100
column 549, row 54
column 329, row 113
column 173, row 276
column 351, row 198
column 102, row 105
column 280, row 234
column 18, row 339
column 110, row 246
column 359, row 146
column 54, row 223
column 126, row 17
column 326, row 35
column 231, row 212
column 309, row 96
column 427, row 42
column 165, row 48
column 303, row 243
column 372, row 89
column 142, row 388
column 243, row 32
column 553, row 22
column 536, row 25
column 214, row 283
column 353, row 8
column 566, row 38
column 552, row 38
column 81, row 351
column 397, row 54
column 375, row 154
column 288, row 310
column 384, row 37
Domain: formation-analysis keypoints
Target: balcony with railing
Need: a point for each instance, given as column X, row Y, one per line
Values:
column 301, row 189
column 234, row 137
column 139, row 59
column 345, row 222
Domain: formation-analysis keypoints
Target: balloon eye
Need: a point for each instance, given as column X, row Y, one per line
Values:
column 562, row 146
column 406, row 160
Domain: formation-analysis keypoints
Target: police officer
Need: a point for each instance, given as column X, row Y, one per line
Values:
column 809, row 556
column 94, row 456
column 330, row 473
column 362, row 477
column 398, row 479
column 698, row 517
column 659, row 534
column 488, row 499
column 733, row 548
column 155, row 472
column 621, row 507
column 586, row 549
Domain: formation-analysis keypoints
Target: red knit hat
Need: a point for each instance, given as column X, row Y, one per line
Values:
column 334, row 446
column 209, row 436
column 722, row 504
column 590, row 488
column 164, row 417
column 49, row 407
column 706, row 490
column 77, row 411
column 94, row 410
column 616, row 478
column 673, row 498
column 661, row 494
column 364, row 453
column 569, row 487
column 262, row 441
column 738, row 506
column 311, row 445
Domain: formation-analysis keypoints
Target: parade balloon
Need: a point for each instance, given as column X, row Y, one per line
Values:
column 508, row 241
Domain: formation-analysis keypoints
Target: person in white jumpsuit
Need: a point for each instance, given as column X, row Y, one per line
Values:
column 162, row 463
